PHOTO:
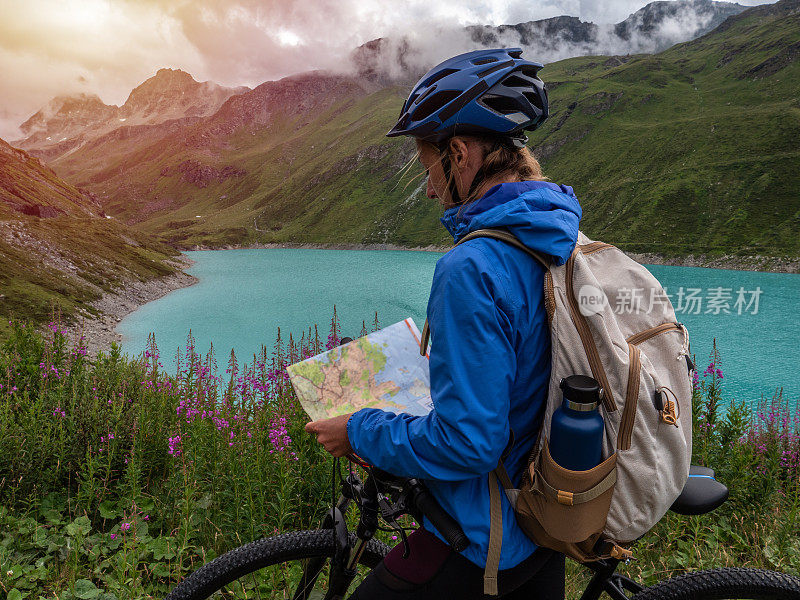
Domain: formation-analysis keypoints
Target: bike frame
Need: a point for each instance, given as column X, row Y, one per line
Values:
column 343, row 568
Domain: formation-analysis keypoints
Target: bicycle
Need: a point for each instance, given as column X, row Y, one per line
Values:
column 323, row 564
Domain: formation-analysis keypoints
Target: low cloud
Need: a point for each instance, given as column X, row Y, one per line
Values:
column 107, row 47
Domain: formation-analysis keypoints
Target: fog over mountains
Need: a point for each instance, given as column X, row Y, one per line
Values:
column 653, row 28
column 67, row 122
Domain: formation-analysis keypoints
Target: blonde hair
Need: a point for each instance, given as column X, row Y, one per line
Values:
column 518, row 164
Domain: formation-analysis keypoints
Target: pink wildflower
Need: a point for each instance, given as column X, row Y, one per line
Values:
column 174, row 446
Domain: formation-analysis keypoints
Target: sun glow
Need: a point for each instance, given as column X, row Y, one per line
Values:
column 87, row 13
column 289, row 38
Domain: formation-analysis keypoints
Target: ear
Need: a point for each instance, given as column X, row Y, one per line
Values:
column 459, row 152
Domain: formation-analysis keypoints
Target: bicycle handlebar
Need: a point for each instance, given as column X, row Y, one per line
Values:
column 441, row 520
column 420, row 502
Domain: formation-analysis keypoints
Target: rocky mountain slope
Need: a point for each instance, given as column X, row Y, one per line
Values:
column 57, row 247
column 667, row 22
column 70, row 122
column 686, row 151
column 653, row 28
column 30, row 188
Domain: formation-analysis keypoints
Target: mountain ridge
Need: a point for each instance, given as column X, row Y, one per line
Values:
column 653, row 28
column 645, row 140
column 68, row 122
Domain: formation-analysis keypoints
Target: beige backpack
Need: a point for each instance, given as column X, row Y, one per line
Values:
column 609, row 318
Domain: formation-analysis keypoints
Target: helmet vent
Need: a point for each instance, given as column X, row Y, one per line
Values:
column 530, row 71
column 410, row 101
column 500, row 104
column 423, row 96
column 514, row 81
column 533, row 99
column 434, row 103
column 484, row 61
column 437, row 76
column 496, row 67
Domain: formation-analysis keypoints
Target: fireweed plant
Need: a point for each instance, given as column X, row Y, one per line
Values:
column 117, row 477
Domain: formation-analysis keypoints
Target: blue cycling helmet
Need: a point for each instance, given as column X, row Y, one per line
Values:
column 485, row 92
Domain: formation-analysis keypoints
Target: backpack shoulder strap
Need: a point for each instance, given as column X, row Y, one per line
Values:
column 509, row 238
column 498, row 234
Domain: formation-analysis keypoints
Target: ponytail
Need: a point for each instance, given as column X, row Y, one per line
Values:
column 517, row 164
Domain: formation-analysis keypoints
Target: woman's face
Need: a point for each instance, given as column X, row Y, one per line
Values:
column 437, row 182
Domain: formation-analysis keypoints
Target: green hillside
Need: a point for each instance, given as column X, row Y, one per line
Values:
column 58, row 249
column 693, row 150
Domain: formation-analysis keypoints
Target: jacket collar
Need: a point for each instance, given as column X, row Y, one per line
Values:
column 543, row 215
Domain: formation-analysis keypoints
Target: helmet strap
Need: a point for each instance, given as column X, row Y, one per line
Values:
column 447, row 168
column 516, row 142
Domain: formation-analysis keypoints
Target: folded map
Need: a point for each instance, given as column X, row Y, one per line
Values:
column 381, row 370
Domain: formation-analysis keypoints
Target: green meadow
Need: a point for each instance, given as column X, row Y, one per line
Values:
column 117, row 479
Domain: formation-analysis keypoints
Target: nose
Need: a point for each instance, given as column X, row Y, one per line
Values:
column 430, row 192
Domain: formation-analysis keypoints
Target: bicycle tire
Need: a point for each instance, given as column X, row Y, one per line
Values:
column 249, row 558
column 733, row 583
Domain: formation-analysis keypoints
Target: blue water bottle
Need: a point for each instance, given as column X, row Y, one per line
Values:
column 576, row 431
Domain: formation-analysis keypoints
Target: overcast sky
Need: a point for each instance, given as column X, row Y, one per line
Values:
column 108, row 47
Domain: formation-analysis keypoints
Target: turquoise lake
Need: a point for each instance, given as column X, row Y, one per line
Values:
column 244, row 296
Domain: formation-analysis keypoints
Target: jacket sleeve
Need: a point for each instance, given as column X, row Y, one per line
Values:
column 472, row 369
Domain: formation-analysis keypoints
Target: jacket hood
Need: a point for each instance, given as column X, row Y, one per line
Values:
column 543, row 215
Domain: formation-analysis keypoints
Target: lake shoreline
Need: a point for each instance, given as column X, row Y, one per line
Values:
column 767, row 264
column 99, row 332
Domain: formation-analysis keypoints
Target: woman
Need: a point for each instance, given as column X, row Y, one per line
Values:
column 490, row 357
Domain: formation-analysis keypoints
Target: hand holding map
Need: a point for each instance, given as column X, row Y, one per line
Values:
column 381, row 370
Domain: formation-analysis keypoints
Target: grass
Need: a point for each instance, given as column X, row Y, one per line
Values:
column 117, row 479
column 68, row 260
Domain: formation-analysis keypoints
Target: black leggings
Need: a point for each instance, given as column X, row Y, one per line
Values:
column 433, row 571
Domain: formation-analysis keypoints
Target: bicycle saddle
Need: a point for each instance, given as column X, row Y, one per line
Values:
column 701, row 494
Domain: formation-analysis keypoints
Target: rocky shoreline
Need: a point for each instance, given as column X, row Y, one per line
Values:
column 769, row 264
column 99, row 332
column 310, row 246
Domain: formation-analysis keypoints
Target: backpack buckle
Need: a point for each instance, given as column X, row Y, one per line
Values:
column 621, row 553
column 564, row 498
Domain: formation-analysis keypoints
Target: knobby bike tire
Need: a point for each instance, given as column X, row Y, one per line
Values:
column 242, row 561
column 726, row 584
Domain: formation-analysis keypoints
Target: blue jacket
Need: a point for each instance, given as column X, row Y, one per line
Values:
column 489, row 362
